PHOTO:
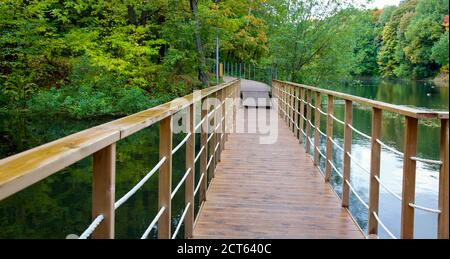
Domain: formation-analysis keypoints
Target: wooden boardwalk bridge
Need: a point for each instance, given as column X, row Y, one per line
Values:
column 249, row 184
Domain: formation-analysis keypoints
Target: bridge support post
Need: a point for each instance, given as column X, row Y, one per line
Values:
column 291, row 108
column 330, row 121
column 316, row 131
column 280, row 103
column 296, row 95
column 212, row 142
column 221, row 133
column 308, row 121
column 302, row 113
column 103, row 191
column 190, row 180
column 165, row 178
column 374, row 188
column 286, row 102
column 443, row 203
column 409, row 178
column 347, row 151
column 203, row 155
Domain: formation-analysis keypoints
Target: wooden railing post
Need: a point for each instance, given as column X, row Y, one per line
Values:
column 374, row 188
column 222, row 125
column 302, row 113
column 291, row 109
column 203, row 143
column 296, row 95
column 165, row 178
column 347, row 149
column 330, row 121
column 409, row 178
column 103, row 191
column 212, row 141
column 283, row 94
column 227, row 115
column 308, row 118
column 278, row 92
column 316, row 131
column 286, row 114
column 190, row 180
column 443, row 202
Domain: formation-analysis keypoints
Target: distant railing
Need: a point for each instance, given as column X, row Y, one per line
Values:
column 292, row 100
column 251, row 71
column 22, row 170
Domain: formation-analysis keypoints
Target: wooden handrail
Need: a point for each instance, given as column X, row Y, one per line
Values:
column 412, row 115
column 402, row 110
column 24, row 169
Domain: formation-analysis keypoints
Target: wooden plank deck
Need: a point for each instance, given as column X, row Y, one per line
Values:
column 271, row 191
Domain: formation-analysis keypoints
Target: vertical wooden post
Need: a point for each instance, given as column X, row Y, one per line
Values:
column 286, row 115
column 308, row 118
column 296, row 95
column 374, row 189
column 316, row 131
column 287, row 104
column 213, row 141
column 279, row 96
column 302, row 113
column 329, row 154
column 190, row 180
column 165, row 178
column 283, row 87
column 347, row 149
column 443, row 202
column 227, row 115
column 409, row 178
column 103, row 191
column 204, row 155
column 222, row 125
column 291, row 109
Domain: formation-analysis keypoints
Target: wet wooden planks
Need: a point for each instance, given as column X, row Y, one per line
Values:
column 271, row 191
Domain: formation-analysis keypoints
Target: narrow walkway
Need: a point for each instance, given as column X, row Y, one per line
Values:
column 254, row 94
column 271, row 191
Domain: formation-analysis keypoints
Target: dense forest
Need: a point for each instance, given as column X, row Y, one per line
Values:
column 88, row 58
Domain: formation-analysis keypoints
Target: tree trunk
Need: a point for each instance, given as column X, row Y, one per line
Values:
column 131, row 15
column 202, row 74
column 249, row 10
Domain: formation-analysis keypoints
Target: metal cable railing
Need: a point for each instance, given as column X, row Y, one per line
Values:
column 153, row 223
column 139, row 184
column 356, row 194
column 180, row 183
column 383, row 226
column 181, row 143
column 181, row 220
column 88, row 232
column 352, row 159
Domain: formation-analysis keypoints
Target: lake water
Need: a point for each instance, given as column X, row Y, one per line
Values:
column 414, row 94
column 61, row 204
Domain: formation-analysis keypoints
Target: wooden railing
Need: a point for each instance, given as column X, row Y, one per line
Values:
column 22, row 170
column 290, row 96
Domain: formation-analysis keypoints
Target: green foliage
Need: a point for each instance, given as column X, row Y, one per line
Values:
column 439, row 52
column 409, row 37
column 82, row 48
column 96, row 57
column 92, row 92
column 365, row 48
